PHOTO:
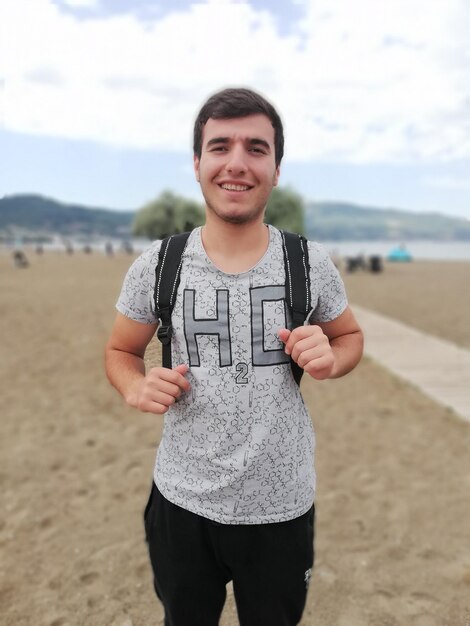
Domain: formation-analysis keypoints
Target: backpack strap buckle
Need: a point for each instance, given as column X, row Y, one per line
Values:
column 164, row 334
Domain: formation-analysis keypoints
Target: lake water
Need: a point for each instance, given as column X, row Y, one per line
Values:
column 419, row 250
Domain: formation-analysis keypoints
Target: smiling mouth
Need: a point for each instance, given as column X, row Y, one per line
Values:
column 230, row 187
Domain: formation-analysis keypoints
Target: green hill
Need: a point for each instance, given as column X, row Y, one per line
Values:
column 337, row 221
column 36, row 215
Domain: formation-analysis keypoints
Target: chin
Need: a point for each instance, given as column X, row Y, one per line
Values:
column 236, row 217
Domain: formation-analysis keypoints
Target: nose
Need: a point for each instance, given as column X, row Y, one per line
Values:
column 236, row 162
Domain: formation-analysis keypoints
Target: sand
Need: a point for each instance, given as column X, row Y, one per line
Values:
column 429, row 295
column 393, row 531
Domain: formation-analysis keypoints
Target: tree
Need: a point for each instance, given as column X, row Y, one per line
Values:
column 166, row 215
column 285, row 210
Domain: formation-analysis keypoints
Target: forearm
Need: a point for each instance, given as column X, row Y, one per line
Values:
column 347, row 351
column 125, row 371
column 152, row 391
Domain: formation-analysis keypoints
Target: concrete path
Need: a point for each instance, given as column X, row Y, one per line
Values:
column 439, row 368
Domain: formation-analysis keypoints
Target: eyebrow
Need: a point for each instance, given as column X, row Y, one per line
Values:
column 255, row 141
column 211, row 142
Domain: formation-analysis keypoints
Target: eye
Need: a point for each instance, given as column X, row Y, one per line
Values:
column 257, row 150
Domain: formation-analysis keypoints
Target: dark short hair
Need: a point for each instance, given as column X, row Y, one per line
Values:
column 238, row 102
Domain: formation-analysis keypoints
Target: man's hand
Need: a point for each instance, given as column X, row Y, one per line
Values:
column 158, row 389
column 310, row 348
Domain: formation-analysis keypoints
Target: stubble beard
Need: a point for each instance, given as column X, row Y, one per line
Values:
column 248, row 216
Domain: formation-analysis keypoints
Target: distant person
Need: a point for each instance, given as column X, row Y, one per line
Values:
column 234, row 482
column 68, row 247
column 19, row 259
column 355, row 262
column 108, row 248
column 128, row 247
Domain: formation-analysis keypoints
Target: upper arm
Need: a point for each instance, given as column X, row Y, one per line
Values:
column 344, row 324
column 328, row 294
column 136, row 299
column 130, row 336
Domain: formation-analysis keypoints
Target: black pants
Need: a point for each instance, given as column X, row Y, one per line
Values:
column 193, row 558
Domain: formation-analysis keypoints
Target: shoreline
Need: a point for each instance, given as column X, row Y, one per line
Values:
column 420, row 249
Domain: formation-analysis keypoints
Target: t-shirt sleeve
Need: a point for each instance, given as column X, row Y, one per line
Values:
column 136, row 298
column 329, row 298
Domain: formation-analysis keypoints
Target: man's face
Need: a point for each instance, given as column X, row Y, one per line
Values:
column 237, row 168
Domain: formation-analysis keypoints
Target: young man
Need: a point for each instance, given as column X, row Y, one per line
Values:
column 234, row 480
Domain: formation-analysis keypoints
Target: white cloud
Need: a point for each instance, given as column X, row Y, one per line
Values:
column 388, row 81
column 86, row 4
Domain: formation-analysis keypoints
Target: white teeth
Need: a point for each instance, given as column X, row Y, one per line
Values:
column 235, row 187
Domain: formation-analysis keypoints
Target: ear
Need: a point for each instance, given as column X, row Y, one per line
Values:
column 277, row 173
column 196, row 166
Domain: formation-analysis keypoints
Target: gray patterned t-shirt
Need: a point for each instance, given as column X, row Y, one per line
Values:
column 238, row 448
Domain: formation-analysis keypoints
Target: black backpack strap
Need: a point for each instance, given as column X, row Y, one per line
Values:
column 167, row 278
column 297, row 269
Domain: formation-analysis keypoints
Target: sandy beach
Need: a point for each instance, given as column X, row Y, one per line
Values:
column 429, row 295
column 393, row 508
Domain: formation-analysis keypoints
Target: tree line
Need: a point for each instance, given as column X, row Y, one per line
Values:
column 170, row 213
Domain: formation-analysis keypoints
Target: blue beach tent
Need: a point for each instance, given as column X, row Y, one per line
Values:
column 400, row 254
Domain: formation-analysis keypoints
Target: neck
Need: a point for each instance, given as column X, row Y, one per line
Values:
column 235, row 248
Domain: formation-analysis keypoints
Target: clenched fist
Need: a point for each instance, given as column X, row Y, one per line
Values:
column 310, row 348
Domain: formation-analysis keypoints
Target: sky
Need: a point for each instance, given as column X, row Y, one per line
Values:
column 98, row 97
